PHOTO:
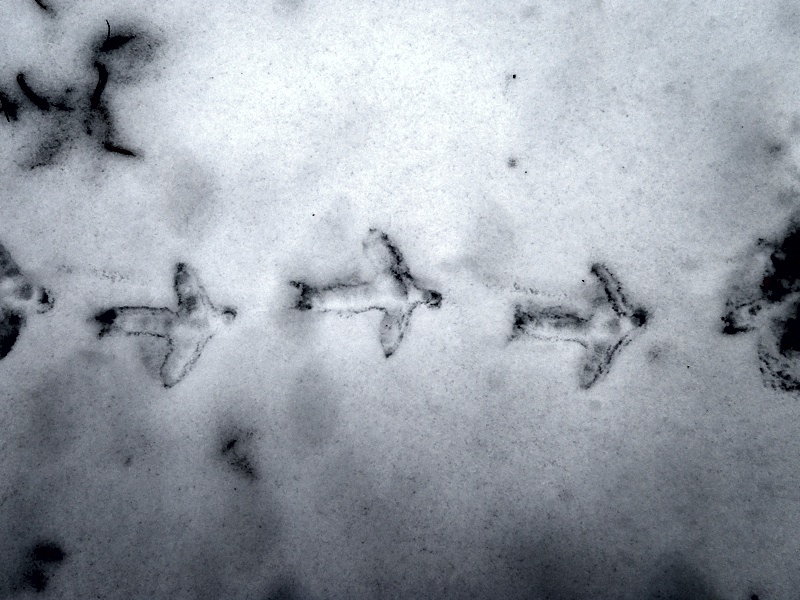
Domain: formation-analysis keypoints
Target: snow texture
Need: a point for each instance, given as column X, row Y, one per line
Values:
column 516, row 294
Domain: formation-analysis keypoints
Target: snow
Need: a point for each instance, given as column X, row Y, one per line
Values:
column 504, row 148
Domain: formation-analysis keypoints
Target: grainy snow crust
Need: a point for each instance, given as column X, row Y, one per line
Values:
column 363, row 300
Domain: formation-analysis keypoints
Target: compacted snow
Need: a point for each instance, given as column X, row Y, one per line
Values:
column 306, row 299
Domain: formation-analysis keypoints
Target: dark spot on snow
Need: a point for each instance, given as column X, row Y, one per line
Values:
column 640, row 316
column 99, row 88
column 434, row 299
column 106, row 320
column 115, row 42
column 8, row 107
column 731, row 327
column 771, row 307
column 680, row 581
column 40, row 564
column 790, row 337
column 18, row 299
column 303, row 301
column 236, row 450
column 47, row 552
column 783, row 276
column 285, row 590
column 35, row 99
column 11, row 324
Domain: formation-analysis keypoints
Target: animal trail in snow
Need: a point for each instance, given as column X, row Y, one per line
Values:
column 186, row 331
column 394, row 292
column 765, row 299
column 63, row 118
column 19, row 298
column 603, row 331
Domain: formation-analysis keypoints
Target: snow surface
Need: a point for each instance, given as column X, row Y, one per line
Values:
column 504, row 147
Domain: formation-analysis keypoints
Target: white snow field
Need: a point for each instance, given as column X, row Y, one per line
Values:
column 345, row 299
